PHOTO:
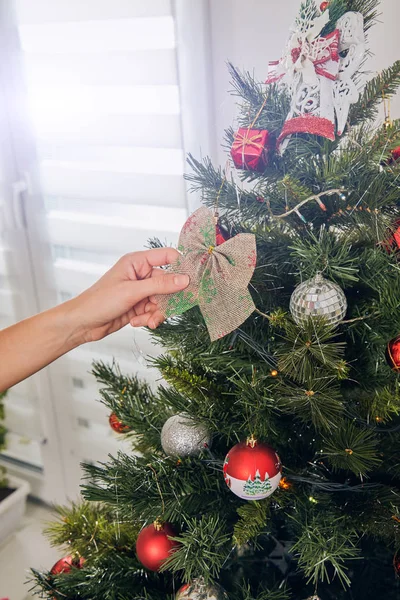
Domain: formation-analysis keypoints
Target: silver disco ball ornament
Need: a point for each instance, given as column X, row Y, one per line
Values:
column 198, row 590
column 318, row 297
column 181, row 436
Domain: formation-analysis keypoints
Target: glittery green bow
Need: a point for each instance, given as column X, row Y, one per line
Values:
column 219, row 275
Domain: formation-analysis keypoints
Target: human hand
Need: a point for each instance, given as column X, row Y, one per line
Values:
column 124, row 294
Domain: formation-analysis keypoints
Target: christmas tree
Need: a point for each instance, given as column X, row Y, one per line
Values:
column 303, row 368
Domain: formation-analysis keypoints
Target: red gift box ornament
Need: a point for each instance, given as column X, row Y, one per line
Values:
column 250, row 149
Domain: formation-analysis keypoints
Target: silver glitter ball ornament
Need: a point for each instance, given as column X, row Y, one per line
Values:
column 198, row 590
column 181, row 436
column 318, row 297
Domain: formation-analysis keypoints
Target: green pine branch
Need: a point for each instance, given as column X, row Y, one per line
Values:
column 352, row 449
column 326, row 545
column 303, row 350
column 150, row 487
column 252, row 521
column 278, row 593
column 91, row 529
column 115, row 576
column 320, row 402
column 204, row 548
column 386, row 83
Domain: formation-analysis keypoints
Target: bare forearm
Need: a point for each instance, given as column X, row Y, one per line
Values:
column 121, row 295
column 30, row 345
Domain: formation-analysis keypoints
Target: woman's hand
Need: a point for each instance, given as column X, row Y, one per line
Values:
column 119, row 297
column 123, row 294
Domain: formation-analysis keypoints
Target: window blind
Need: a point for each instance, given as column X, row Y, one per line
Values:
column 104, row 103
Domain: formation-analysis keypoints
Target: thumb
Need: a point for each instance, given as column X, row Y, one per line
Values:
column 164, row 284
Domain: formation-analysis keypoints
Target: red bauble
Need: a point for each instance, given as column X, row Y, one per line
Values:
column 117, row 425
column 396, row 237
column 396, row 564
column 219, row 236
column 394, row 157
column 252, row 470
column 154, row 546
column 64, row 565
column 396, row 153
column 323, row 6
column 393, row 354
column 250, row 149
column 391, row 241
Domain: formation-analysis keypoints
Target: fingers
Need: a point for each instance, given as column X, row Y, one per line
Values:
column 160, row 256
column 149, row 319
column 156, row 273
column 140, row 307
column 140, row 320
column 155, row 319
column 169, row 283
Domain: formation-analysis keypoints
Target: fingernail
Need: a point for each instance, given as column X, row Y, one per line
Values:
column 181, row 280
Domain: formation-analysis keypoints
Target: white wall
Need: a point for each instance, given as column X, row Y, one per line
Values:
column 249, row 33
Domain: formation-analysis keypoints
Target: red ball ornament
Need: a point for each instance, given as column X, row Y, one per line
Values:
column 219, row 236
column 396, row 153
column 323, row 6
column 252, row 470
column 393, row 158
column 391, row 241
column 64, row 565
column 154, row 546
column 396, row 238
column 116, row 424
column 393, row 354
column 396, row 564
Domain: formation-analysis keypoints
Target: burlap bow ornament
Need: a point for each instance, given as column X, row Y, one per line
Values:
column 219, row 275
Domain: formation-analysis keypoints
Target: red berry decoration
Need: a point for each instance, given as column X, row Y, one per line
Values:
column 252, row 470
column 64, row 565
column 154, row 546
column 393, row 354
column 323, row 6
column 117, row 425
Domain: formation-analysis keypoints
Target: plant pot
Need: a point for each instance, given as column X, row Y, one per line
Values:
column 12, row 506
